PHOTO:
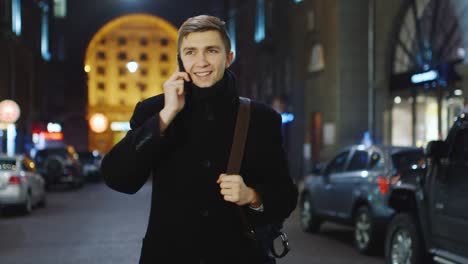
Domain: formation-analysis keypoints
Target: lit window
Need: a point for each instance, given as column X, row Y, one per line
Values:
column 16, row 16
column 260, row 21
column 232, row 32
column 60, row 8
column 45, row 31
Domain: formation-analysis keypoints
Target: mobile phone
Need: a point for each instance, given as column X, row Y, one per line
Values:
column 181, row 65
column 182, row 69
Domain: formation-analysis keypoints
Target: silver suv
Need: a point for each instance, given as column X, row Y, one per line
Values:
column 353, row 188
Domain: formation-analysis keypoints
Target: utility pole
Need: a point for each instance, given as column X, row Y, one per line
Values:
column 371, row 68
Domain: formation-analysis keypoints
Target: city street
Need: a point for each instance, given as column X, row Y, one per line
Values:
column 97, row 225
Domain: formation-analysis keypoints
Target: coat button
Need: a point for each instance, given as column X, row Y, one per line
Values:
column 206, row 163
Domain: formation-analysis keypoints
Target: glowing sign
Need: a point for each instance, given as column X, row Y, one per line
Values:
column 425, row 76
column 120, row 126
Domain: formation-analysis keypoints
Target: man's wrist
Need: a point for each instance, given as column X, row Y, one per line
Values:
column 165, row 118
column 255, row 201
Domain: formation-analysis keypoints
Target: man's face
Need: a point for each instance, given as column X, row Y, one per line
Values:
column 204, row 57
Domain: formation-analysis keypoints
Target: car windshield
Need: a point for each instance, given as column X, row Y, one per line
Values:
column 7, row 164
column 408, row 160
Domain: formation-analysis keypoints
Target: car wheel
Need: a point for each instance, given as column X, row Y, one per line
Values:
column 364, row 231
column 403, row 243
column 27, row 206
column 310, row 221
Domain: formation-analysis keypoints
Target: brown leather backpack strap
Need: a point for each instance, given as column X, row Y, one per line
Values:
column 240, row 135
column 237, row 153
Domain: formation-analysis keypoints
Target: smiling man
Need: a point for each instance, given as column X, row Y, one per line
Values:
column 183, row 139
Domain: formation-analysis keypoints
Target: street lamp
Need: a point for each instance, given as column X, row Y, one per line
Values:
column 132, row 66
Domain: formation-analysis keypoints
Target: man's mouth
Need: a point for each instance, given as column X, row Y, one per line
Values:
column 203, row 74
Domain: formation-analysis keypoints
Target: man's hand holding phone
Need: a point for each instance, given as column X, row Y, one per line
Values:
column 174, row 98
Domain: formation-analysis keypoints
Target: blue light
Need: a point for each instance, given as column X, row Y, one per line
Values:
column 287, row 118
column 45, row 32
column 260, row 21
column 16, row 16
column 297, row 1
column 425, row 76
column 232, row 32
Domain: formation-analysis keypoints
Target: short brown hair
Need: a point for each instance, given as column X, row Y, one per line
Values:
column 204, row 23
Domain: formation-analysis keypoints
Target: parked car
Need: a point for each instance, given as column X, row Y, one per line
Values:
column 20, row 185
column 353, row 189
column 90, row 164
column 431, row 220
column 59, row 165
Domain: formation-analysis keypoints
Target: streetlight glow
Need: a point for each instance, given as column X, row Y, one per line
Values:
column 132, row 66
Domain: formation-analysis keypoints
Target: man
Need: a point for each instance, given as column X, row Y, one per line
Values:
column 183, row 138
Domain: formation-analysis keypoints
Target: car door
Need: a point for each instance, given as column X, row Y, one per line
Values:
column 332, row 174
column 450, row 203
column 347, row 183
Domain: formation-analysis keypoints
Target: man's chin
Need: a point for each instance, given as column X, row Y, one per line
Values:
column 204, row 84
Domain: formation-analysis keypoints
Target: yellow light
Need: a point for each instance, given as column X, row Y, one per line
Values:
column 98, row 123
column 87, row 68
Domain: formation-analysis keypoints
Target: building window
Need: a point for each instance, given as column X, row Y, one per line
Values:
column 122, row 71
column 16, row 16
column 122, row 101
column 144, row 72
column 164, row 57
column 122, row 56
column 103, row 41
column 143, row 57
column 122, row 41
column 164, row 73
column 144, row 41
column 164, row 42
column 101, row 55
column 101, row 70
column 60, row 8
column 260, row 21
column 142, row 86
column 101, row 86
column 123, row 86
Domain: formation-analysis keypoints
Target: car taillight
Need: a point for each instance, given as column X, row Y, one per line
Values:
column 383, row 184
column 16, row 180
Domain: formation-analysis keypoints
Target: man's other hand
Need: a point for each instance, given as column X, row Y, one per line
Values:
column 235, row 191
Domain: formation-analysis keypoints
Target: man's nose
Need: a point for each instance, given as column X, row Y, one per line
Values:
column 201, row 60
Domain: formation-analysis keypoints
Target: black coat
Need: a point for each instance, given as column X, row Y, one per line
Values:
column 189, row 220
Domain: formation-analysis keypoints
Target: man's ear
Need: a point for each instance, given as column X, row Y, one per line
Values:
column 229, row 58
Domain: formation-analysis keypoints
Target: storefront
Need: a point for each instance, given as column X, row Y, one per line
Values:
column 425, row 88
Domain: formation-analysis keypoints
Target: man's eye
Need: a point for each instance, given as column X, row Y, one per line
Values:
column 213, row 51
column 190, row 52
